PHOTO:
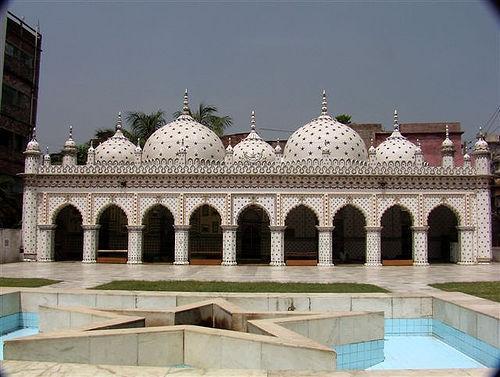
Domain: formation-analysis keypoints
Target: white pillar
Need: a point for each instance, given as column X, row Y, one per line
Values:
column 229, row 245
column 420, row 248
column 46, row 243
column 483, row 228
column 30, row 230
column 90, row 242
column 325, row 251
column 373, row 246
column 277, row 245
column 467, row 254
column 134, row 252
column 181, row 244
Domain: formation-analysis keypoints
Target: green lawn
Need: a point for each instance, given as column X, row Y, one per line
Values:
column 220, row 286
column 486, row 289
column 25, row 282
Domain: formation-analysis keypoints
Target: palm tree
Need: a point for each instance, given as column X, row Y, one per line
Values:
column 143, row 125
column 206, row 115
column 343, row 118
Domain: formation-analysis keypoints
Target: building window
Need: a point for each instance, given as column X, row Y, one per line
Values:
column 13, row 97
column 16, row 53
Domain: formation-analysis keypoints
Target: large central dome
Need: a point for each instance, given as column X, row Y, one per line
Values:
column 310, row 140
column 198, row 140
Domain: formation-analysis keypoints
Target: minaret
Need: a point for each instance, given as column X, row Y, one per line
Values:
column 278, row 151
column 372, row 153
column 419, row 156
column 138, row 152
column 32, row 155
column 91, row 154
column 482, row 155
column 447, row 151
column 69, row 151
column 229, row 158
column 46, row 157
column 324, row 105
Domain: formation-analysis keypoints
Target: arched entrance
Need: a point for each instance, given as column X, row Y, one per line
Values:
column 349, row 236
column 205, row 235
column 442, row 236
column 301, row 234
column 113, row 235
column 396, row 234
column 253, row 238
column 158, row 235
column 68, row 238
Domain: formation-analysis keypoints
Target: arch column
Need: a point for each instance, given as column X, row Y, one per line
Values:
column 277, row 245
column 373, row 246
column 90, row 242
column 134, row 249
column 229, row 245
column 325, row 251
column 420, row 250
column 181, row 244
column 466, row 252
column 45, row 251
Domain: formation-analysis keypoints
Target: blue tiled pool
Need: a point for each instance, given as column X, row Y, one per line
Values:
column 17, row 325
column 421, row 343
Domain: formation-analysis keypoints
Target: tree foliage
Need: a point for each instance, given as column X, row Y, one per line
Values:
column 207, row 115
column 343, row 118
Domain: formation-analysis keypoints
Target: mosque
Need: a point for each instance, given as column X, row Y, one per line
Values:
column 322, row 199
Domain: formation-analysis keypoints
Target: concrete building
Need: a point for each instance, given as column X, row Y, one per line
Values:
column 322, row 198
column 21, row 48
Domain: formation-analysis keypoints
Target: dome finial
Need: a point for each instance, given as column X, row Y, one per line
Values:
column 252, row 120
column 47, row 150
column 119, row 121
column 70, row 133
column 185, row 104
column 447, row 132
column 33, row 134
column 324, row 104
column 396, row 122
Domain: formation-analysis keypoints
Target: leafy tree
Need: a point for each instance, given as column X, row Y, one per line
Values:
column 207, row 115
column 343, row 118
column 143, row 125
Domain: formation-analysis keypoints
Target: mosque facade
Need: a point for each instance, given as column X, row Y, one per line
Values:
column 323, row 199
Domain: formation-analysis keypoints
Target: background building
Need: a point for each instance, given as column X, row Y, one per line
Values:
column 21, row 49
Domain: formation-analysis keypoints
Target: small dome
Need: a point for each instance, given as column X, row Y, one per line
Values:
column 33, row 145
column 308, row 141
column 481, row 146
column 253, row 148
column 70, row 143
column 396, row 147
column 447, row 143
column 199, row 141
column 117, row 149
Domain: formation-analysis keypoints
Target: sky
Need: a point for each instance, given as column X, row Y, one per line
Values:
column 432, row 61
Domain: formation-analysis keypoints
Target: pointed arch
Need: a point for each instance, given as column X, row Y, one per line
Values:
column 68, row 237
column 396, row 235
column 103, row 208
column 205, row 235
column 113, row 233
column 253, row 237
column 442, row 234
column 301, row 234
column 309, row 207
column 257, row 205
column 349, row 235
column 158, row 235
column 452, row 208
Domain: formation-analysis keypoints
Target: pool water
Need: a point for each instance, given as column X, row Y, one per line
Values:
column 422, row 352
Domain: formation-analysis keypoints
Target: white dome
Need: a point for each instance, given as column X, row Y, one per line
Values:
column 117, row 149
column 396, row 147
column 253, row 148
column 308, row 141
column 199, row 141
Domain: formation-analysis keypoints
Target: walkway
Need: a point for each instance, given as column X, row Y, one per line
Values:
column 396, row 279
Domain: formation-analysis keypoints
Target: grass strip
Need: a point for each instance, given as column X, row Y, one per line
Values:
column 489, row 290
column 223, row 286
column 25, row 282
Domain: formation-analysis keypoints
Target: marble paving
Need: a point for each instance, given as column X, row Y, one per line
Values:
column 46, row 369
column 395, row 279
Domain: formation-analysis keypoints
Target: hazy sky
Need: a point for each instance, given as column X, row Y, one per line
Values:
column 432, row 61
